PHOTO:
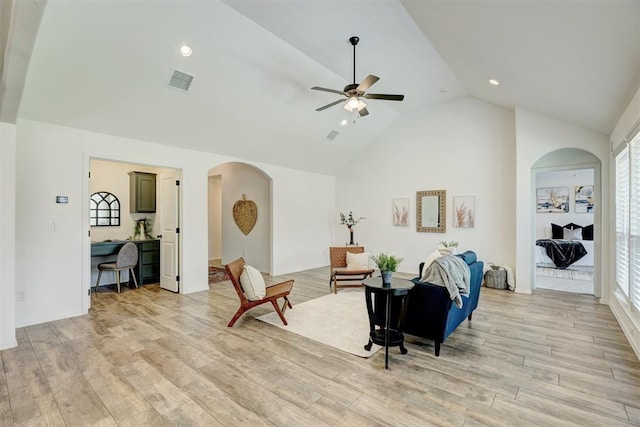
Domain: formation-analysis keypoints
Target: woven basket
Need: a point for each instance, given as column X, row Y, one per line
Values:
column 496, row 278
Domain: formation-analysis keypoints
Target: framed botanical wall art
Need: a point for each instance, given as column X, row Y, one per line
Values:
column 552, row 199
column 401, row 212
column 584, row 199
column 464, row 211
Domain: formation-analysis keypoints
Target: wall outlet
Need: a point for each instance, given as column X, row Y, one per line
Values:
column 20, row 296
column 52, row 226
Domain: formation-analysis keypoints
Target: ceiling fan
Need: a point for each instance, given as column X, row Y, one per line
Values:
column 354, row 91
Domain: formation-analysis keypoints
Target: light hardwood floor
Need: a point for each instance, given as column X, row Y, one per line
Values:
column 150, row 357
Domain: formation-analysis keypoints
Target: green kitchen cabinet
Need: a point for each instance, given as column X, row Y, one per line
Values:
column 142, row 192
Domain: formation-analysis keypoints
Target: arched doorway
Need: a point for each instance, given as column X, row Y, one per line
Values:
column 227, row 184
column 570, row 173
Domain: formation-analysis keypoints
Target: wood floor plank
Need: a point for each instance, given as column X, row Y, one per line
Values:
column 335, row 414
column 521, row 415
column 151, row 357
column 78, row 402
column 566, row 413
column 633, row 413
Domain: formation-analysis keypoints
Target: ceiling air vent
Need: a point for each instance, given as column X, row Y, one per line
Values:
column 180, row 81
column 332, row 135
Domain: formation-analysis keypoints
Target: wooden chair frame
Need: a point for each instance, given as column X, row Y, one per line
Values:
column 280, row 290
column 339, row 272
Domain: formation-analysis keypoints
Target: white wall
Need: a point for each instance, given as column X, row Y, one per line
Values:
column 465, row 147
column 238, row 179
column 215, row 217
column 563, row 178
column 536, row 135
column 8, row 233
column 54, row 160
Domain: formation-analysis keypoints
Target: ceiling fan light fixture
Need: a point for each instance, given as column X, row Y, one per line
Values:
column 352, row 104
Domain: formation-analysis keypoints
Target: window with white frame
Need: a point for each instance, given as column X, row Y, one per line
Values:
column 634, row 223
column 622, row 221
column 627, row 188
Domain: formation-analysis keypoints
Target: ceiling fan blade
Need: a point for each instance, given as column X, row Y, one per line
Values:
column 383, row 96
column 363, row 112
column 330, row 105
column 324, row 89
column 367, row 83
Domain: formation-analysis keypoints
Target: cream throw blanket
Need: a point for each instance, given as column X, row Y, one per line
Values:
column 453, row 273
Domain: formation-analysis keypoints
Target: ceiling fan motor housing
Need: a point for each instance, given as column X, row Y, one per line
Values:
column 351, row 88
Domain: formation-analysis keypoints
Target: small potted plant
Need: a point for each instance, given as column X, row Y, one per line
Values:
column 447, row 247
column 387, row 265
column 350, row 222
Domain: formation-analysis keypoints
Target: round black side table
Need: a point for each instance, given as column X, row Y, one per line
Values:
column 386, row 336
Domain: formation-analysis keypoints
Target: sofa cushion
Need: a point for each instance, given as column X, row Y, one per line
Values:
column 432, row 257
column 358, row 261
column 252, row 283
column 469, row 257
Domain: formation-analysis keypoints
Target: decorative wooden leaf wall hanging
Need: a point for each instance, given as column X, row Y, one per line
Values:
column 245, row 214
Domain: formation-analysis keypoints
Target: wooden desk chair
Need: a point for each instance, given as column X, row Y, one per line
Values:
column 281, row 290
column 339, row 271
column 127, row 259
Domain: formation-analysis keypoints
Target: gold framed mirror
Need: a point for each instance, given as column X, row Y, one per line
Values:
column 431, row 211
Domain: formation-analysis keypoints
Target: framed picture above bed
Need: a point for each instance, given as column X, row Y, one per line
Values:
column 584, row 199
column 552, row 199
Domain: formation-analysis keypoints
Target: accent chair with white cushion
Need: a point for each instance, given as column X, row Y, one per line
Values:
column 348, row 264
column 250, row 287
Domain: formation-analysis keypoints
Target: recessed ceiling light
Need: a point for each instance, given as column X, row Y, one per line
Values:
column 185, row 50
column 343, row 122
column 494, row 82
column 444, row 90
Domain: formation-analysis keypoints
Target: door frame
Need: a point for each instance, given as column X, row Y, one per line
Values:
column 597, row 219
column 85, row 282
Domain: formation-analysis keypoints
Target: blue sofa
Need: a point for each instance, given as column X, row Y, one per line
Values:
column 430, row 312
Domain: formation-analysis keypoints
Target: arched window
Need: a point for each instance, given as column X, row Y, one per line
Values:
column 104, row 210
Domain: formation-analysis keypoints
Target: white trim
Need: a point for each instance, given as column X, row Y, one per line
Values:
column 626, row 322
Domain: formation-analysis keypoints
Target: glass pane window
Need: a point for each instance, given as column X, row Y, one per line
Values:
column 622, row 221
column 104, row 210
column 634, row 223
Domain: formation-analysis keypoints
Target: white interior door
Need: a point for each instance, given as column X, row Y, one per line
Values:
column 169, row 193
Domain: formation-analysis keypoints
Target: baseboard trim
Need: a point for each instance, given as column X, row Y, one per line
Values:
column 8, row 344
column 626, row 324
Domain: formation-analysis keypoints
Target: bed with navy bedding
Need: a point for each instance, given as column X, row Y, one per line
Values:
column 570, row 245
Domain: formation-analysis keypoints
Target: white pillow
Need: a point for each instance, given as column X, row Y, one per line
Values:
column 358, row 261
column 568, row 234
column 432, row 257
column 252, row 283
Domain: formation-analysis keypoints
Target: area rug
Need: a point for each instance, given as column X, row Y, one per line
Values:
column 217, row 275
column 572, row 272
column 337, row 320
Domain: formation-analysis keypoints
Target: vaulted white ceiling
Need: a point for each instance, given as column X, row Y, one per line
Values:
column 103, row 66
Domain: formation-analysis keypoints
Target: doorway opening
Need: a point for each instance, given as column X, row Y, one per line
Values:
column 244, row 186
column 567, row 222
column 149, row 214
